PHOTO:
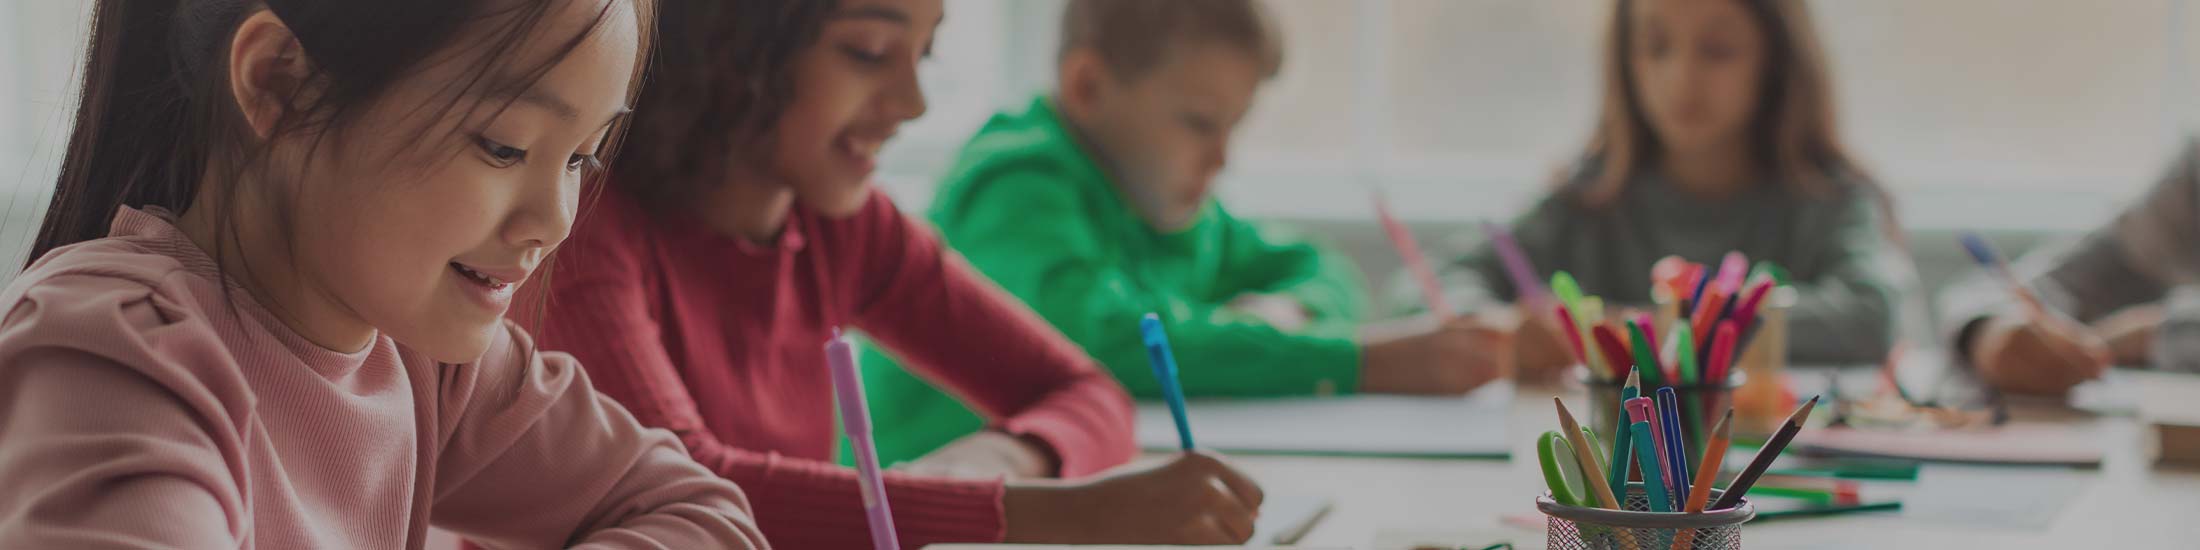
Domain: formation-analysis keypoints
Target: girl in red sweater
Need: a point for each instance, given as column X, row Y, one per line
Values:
column 700, row 287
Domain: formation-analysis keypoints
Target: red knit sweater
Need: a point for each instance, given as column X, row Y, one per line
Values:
column 722, row 340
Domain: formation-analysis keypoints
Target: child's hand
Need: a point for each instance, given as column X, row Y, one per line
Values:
column 2014, row 354
column 1454, row 358
column 986, row 455
column 2130, row 333
column 1282, row 312
column 1192, row 498
column 1541, row 351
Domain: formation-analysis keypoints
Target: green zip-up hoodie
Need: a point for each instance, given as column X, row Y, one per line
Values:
column 1030, row 207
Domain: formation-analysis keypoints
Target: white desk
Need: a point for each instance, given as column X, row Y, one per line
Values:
column 2125, row 504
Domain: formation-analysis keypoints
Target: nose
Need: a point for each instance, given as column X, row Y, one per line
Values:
column 543, row 214
column 905, row 94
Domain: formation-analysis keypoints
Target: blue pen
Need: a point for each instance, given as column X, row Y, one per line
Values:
column 1646, row 453
column 1669, row 411
column 1695, row 299
column 1164, row 369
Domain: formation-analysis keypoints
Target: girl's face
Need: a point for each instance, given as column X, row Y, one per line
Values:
column 853, row 89
column 1697, row 67
column 425, row 234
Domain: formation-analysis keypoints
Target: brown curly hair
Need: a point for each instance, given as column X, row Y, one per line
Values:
column 720, row 76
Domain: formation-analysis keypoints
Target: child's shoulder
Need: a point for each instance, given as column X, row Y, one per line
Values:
column 121, row 300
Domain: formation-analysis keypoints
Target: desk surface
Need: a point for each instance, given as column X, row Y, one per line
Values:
column 2124, row 504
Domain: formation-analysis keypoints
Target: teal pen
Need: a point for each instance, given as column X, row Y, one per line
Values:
column 1646, row 452
column 1623, row 438
column 1164, row 369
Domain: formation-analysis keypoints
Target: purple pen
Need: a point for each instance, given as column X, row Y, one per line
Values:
column 855, row 417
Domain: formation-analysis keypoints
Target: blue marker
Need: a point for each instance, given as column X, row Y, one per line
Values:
column 1675, row 439
column 1164, row 369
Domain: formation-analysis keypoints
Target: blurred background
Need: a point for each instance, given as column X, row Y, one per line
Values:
column 2023, row 118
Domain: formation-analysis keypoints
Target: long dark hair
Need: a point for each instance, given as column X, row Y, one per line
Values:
column 1794, row 130
column 156, row 115
column 721, row 77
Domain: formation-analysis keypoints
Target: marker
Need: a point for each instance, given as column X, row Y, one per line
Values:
column 1646, row 453
column 1771, row 450
column 1615, row 350
column 855, row 417
column 1432, row 290
column 1676, row 440
column 1569, row 292
column 1573, row 338
column 1525, row 285
column 1644, row 409
column 1164, row 370
column 1646, row 356
column 1622, row 438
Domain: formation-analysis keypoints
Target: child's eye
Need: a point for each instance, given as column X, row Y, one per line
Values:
column 864, row 56
column 578, row 162
column 500, row 155
column 1198, row 124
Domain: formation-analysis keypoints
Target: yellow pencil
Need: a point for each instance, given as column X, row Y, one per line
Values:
column 1588, row 457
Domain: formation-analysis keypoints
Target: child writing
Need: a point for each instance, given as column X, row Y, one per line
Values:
column 266, row 309
column 701, row 287
column 1094, row 206
column 2129, row 294
column 1717, row 135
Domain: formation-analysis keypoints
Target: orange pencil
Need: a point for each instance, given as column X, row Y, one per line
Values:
column 1713, row 453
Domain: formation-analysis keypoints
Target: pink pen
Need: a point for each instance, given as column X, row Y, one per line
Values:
column 1432, row 291
column 1642, row 409
column 855, row 417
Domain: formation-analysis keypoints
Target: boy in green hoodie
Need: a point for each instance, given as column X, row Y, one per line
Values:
column 1093, row 206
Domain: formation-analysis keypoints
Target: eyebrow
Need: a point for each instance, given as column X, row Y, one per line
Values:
column 884, row 13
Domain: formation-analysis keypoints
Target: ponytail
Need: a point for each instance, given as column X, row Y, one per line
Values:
column 137, row 141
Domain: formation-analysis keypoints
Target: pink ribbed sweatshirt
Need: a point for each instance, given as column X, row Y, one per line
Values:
column 141, row 406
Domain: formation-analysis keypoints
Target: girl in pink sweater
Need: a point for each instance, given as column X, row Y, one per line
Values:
column 266, row 307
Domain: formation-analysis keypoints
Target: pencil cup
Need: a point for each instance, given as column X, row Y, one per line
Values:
column 1637, row 528
column 1701, row 405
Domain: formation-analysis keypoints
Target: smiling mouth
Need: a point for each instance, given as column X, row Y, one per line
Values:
column 480, row 278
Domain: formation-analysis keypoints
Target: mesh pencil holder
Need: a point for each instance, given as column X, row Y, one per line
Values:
column 1637, row 528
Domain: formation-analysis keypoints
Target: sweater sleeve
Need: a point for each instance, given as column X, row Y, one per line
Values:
column 599, row 288
column 1065, row 269
column 1850, row 305
column 2139, row 258
column 526, row 432
column 956, row 328
column 1268, row 259
column 157, row 463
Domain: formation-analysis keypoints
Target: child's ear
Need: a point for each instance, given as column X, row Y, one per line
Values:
column 1084, row 79
column 267, row 71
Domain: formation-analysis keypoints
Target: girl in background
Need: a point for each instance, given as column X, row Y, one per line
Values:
column 1717, row 134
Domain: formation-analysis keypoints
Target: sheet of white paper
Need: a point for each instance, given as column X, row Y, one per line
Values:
column 1999, row 497
column 1286, row 517
column 1378, row 425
